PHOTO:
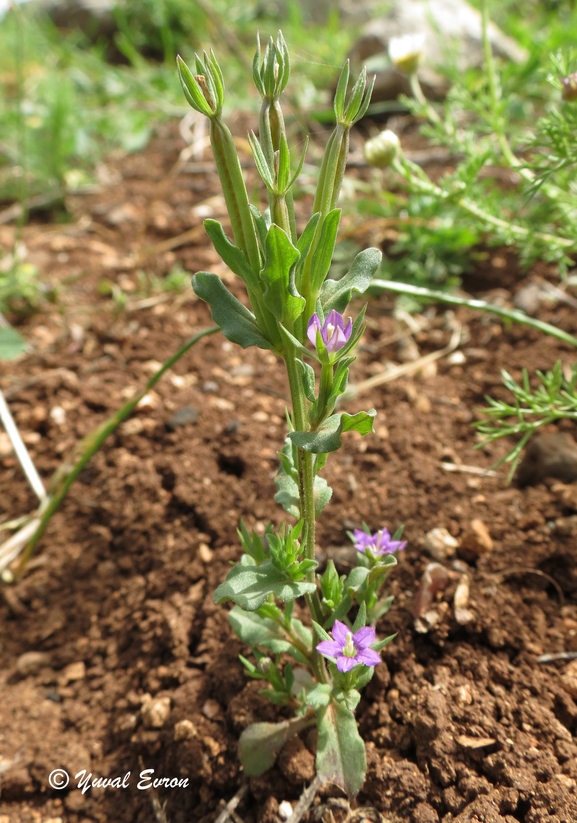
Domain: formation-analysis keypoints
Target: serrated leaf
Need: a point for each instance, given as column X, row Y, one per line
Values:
column 11, row 343
column 341, row 755
column 260, row 743
column 327, row 438
column 237, row 323
column 249, row 586
column 337, row 294
column 260, row 631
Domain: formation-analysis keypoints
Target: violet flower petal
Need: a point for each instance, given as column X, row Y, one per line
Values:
column 368, row 656
column 330, row 647
column 364, row 637
column 345, row 664
column 340, row 631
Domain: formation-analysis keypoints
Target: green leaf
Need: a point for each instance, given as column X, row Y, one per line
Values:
column 307, row 374
column 232, row 256
column 349, row 697
column 288, row 493
column 380, row 644
column 260, row 743
column 280, row 294
column 336, row 294
column 11, row 343
column 324, row 250
column 327, row 438
column 319, row 696
column 238, row 324
column 249, row 586
column 341, row 755
column 192, row 90
column 259, row 631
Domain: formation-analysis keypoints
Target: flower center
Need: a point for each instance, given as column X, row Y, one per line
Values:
column 349, row 647
column 330, row 331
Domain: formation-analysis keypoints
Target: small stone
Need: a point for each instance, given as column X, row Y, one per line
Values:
column 463, row 696
column 566, row 525
column 476, row 541
column 528, row 298
column 155, row 711
column 31, row 663
column 285, row 810
column 457, row 358
column 204, row 553
column 185, row 730
column 210, row 387
column 212, row 710
column 440, row 544
column 74, row 800
column 468, row 742
column 186, row 416
column 72, row 673
column 548, row 455
column 463, row 615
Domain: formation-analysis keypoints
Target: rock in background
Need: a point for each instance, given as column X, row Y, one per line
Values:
column 452, row 30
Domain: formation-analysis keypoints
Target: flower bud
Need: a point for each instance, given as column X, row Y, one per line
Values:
column 380, row 151
column 569, row 87
column 405, row 52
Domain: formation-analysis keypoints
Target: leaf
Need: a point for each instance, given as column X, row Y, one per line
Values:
column 260, row 631
column 249, row 586
column 336, row 294
column 260, row 743
column 288, row 493
column 231, row 254
column 319, row 696
column 238, row 324
column 341, row 755
column 11, row 343
column 327, row 438
column 280, row 294
column 323, row 253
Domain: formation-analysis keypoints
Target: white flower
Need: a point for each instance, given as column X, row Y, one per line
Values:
column 405, row 52
column 380, row 151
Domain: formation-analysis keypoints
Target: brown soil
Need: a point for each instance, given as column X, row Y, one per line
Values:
column 135, row 667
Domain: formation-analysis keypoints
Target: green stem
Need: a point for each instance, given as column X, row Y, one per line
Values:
column 67, row 473
column 420, row 97
column 306, row 479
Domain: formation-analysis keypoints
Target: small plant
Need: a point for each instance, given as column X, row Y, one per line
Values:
column 316, row 667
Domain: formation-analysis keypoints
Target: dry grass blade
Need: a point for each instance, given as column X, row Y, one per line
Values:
column 229, row 809
column 305, row 801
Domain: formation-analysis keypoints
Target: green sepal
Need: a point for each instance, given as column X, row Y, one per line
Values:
column 249, row 585
column 263, row 168
column 260, row 631
column 380, row 570
column 355, row 581
column 11, row 343
column 361, row 618
column 322, row 633
column 260, row 223
column 337, row 294
column 231, row 255
column 252, row 544
column 324, row 250
column 341, row 92
column 380, row 644
column 250, row 669
column 192, row 90
column 280, row 294
column 237, row 323
column 328, row 436
column 331, row 586
column 341, row 757
column 260, row 743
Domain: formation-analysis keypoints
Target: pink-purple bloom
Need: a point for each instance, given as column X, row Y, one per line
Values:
column 350, row 649
column 333, row 331
column 380, row 542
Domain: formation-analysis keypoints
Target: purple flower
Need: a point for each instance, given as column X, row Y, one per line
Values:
column 333, row 331
column 378, row 543
column 350, row 649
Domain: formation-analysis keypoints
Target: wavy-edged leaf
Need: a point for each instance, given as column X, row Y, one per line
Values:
column 231, row 254
column 249, row 586
column 238, row 324
column 280, row 294
column 327, row 438
column 337, row 294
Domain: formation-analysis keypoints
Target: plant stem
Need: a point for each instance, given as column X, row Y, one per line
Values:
column 419, row 96
column 306, row 479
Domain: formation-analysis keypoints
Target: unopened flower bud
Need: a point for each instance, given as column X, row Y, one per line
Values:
column 405, row 52
column 569, row 87
column 264, row 665
column 380, row 151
